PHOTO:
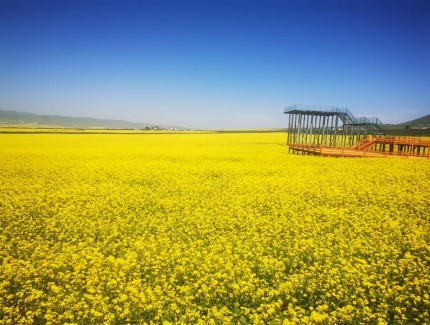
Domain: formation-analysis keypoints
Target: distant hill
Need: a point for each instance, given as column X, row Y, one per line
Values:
column 417, row 127
column 13, row 118
column 422, row 121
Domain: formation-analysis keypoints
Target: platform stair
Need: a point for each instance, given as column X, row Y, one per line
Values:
column 373, row 124
column 365, row 143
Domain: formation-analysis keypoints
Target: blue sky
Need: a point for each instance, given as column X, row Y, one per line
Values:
column 214, row 64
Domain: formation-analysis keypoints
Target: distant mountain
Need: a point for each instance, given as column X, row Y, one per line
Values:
column 13, row 118
column 422, row 121
column 417, row 127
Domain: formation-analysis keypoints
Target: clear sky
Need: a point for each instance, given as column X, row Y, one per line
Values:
column 214, row 64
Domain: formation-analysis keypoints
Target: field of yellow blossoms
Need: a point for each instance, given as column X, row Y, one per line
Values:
column 208, row 228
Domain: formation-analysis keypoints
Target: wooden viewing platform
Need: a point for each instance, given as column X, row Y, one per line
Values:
column 371, row 146
column 334, row 131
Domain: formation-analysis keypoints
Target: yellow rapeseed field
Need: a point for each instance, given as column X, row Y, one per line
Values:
column 208, row 228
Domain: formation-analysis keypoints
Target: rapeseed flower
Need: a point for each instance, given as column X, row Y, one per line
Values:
column 208, row 228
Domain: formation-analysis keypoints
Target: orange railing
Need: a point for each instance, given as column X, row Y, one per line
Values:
column 402, row 140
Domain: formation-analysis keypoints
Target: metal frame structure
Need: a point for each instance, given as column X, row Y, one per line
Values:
column 328, row 126
column 333, row 131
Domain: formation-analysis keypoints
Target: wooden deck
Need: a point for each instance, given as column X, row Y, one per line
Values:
column 383, row 147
